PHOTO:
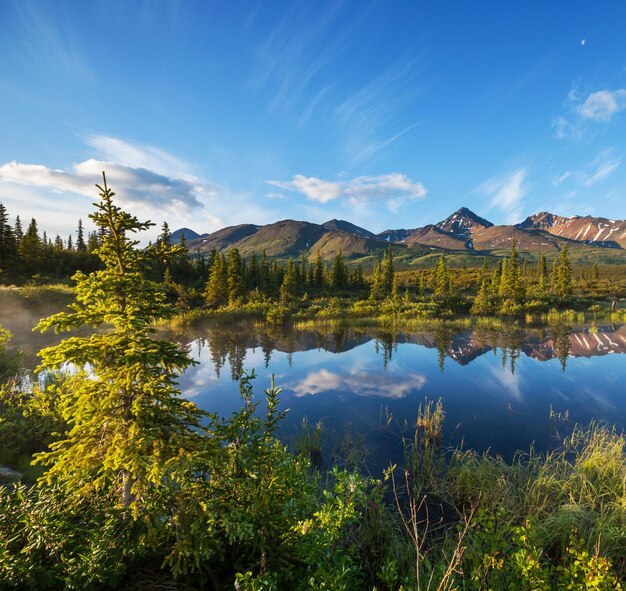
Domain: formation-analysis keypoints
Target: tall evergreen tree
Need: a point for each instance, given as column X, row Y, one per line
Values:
column 8, row 244
column 482, row 302
column 289, row 286
column 318, row 276
column 253, row 272
column 30, row 248
column 510, row 282
column 127, row 424
column 216, row 292
column 339, row 273
column 388, row 272
column 236, row 276
column 303, row 270
column 19, row 234
column 81, row 246
column 563, row 284
column 442, row 279
column 377, row 290
column 542, row 276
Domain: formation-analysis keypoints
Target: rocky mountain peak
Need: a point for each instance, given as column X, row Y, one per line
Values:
column 463, row 222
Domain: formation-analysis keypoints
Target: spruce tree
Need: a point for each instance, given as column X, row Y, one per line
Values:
column 236, row 277
column 253, row 272
column 388, row 272
column 265, row 279
column 510, row 283
column 482, row 302
column 377, row 290
column 319, row 271
column 542, row 276
column 31, row 248
column 80, row 238
column 563, row 285
column 18, row 230
column 126, row 421
column 442, row 279
column 216, row 292
column 339, row 274
column 8, row 244
column 303, row 270
column 595, row 273
column 289, row 286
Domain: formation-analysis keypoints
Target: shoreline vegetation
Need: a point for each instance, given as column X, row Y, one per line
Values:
column 133, row 487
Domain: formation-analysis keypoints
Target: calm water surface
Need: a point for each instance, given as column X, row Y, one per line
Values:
column 503, row 389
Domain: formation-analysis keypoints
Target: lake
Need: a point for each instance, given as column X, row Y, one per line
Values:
column 503, row 388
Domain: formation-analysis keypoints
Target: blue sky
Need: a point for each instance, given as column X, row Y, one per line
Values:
column 389, row 114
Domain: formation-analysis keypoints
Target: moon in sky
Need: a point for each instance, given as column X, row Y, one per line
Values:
column 583, row 42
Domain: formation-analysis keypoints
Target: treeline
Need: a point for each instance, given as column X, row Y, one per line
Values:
column 233, row 281
column 25, row 253
column 227, row 278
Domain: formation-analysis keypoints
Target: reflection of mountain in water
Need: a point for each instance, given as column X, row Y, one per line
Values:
column 230, row 344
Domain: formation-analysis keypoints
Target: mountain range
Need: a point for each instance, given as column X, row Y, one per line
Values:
column 463, row 232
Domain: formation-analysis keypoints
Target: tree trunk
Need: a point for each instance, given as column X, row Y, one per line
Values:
column 127, row 484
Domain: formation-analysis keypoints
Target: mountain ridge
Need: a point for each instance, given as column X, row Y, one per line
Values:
column 461, row 231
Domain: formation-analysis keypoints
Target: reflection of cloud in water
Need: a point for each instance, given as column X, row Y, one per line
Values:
column 501, row 379
column 600, row 398
column 358, row 382
column 198, row 379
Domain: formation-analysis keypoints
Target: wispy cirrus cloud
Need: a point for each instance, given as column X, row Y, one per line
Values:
column 394, row 189
column 597, row 107
column 137, row 155
column 291, row 60
column 506, row 192
column 598, row 170
column 370, row 115
column 49, row 41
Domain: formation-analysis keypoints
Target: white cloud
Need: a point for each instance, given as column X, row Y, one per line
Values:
column 599, row 106
column 132, row 185
column 603, row 104
column 148, row 181
column 313, row 188
column 394, row 189
column 506, row 193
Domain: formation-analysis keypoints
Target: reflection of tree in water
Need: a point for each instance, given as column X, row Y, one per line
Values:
column 339, row 339
column 229, row 343
column 512, row 340
column 443, row 340
column 386, row 344
column 227, row 346
column 562, row 345
column 267, row 346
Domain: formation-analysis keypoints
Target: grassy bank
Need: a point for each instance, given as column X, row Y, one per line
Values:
column 267, row 518
column 399, row 312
